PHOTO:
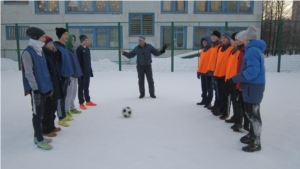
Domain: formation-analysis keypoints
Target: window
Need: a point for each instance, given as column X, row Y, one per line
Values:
column 241, row 6
column 141, row 24
column 104, row 37
column 200, row 32
column 98, row 6
column 179, row 36
column 46, row 7
column 177, row 6
column 11, row 32
column 21, row 2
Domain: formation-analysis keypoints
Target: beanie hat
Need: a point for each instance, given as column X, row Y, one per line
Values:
column 35, row 33
column 216, row 33
column 227, row 35
column 48, row 39
column 60, row 32
column 82, row 38
column 240, row 35
column 251, row 33
column 142, row 38
column 233, row 35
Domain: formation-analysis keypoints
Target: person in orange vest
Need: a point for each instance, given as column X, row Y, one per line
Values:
column 231, row 70
column 207, row 92
column 220, row 73
column 215, row 37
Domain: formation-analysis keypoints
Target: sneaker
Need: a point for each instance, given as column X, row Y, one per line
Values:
column 223, row 117
column 48, row 140
column 69, row 117
column 52, row 134
column 153, row 96
column 142, row 95
column 252, row 147
column 74, row 111
column 57, row 129
column 82, row 106
column 44, row 145
column 63, row 122
column 90, row 104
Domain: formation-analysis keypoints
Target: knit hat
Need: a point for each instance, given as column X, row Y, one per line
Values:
column 233, row 35
column 48, row 39
column 34, row 33
column 142, row 38
column 240, row 35
column 251, row 33
column 82, row 38
column 216, row 33
column 227, row 35
column 60, row 32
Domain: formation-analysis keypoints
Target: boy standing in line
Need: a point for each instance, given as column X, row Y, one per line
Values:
column 84, row 58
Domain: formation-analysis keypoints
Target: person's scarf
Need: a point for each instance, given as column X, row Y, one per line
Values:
column 37, row 46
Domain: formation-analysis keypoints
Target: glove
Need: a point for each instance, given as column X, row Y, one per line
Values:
column 92, row 75
column 198, row 75
column 50, row 93
column 230, row 82
column 163, row 50
column 36, row 97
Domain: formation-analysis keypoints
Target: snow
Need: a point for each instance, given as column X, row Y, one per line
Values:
column 168, row 132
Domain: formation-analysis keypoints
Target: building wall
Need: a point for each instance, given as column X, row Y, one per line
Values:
column 25, row 15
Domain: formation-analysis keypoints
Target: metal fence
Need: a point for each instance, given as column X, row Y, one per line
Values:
column 183, row 38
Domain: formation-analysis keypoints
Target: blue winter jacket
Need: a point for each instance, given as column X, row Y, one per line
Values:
column 252, row 76
column 75, row 64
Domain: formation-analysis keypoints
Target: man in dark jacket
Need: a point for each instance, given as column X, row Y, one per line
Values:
column 143, row 52
column 56, row 102
column 252, row 78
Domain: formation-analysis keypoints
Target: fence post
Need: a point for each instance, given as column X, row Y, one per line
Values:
column 226, row 26
column 67, row 26
column 279, row 45
column 119, row 46
column 18, row 45
column 172, row 47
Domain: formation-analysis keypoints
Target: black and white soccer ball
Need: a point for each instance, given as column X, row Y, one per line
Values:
column 126, row 112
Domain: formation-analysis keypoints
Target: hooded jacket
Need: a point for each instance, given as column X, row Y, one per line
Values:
column 252, row 76
column 204, row 55
column 73, row 57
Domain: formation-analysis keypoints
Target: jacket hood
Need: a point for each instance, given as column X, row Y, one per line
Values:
column 208, row 40
column 260, row 44
column 69, row 42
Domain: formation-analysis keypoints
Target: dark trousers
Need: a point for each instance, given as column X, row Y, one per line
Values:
column 37, row 115
column 231, row 99
column 51, row 106
column 207, row 89
column 222, row 97
column 215, row 88
column 241, row 116
column 142, row 71
column 253, row 113
column 83, row 89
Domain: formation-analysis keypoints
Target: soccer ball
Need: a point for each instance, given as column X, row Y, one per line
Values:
column 126, row 112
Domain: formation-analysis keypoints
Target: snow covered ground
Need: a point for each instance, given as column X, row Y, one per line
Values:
column 165, row 133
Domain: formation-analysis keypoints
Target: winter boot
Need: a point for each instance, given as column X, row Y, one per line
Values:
column 207, row 105
column 51, row 134
column 217, row 113
column 201, row 103
column 231, row 120
column 142, row 95
column 223, row 117
column 44, row 145
column 246, row 139
column 153, row 96
column 252, row 147
column 48, row 140
column 57, row 129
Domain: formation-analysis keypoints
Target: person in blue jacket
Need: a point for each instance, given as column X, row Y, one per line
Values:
column 252, row 79
column 36, row 82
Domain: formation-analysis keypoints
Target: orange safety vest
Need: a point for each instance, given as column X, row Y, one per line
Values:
column 203, row 61
column 222, row 59
column 213, row 58
column 232, row 62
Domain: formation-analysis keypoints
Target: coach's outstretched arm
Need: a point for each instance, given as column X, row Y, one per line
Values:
column 155, row 52
column 128, row 55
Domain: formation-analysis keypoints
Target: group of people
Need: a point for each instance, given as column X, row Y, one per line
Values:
column 51, row 72
column 231, row 68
